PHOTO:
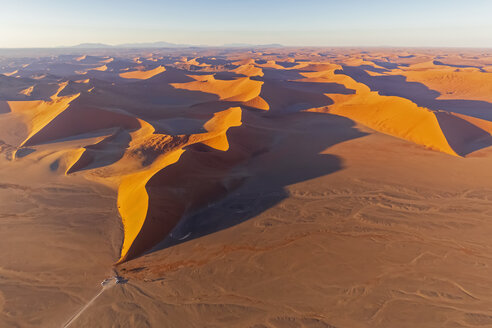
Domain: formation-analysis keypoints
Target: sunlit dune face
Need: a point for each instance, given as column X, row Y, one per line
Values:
column 143, row 74
column 248, row 70
column 241, row 89
column 27, row 91
column 100, row 68
column 10, row 73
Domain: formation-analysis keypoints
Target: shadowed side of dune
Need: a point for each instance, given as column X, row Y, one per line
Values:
column 4, row 107
column 158, row 152
column 464, row 134
column 196, row 180
column 79, row 119
column 39, row 113
column 103, row 153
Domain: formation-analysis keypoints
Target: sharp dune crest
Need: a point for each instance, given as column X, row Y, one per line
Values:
column 37, row 114
column 132, row 196
column 27, row 91
column 143, row 75
column 242, row 89
column 248, row 70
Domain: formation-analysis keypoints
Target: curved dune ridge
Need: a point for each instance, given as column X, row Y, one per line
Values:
column 248, row 70
column 102, row 68
column 143, row 75
column 27, row 91
column 11, row 73
column 242, row 89
column 132, row 196
column 39, row 113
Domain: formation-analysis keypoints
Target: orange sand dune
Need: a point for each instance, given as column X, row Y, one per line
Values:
column 27, row 91
column 39, row 113
column 82, row 81
column 241, row 89
column 99, row 68
column 270, row 64
column 195, row 62
column 107, row 61
column 143, row 75
column 11, row 73
column 106, row 150
column 132, row 196
column 248, row 70
column 78, row 119
column 246, row 61
column 361, row 62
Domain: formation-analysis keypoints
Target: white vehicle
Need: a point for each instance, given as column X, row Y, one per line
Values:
column 106, row 281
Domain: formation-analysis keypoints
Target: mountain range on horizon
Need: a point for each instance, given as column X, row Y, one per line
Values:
column 163, row 44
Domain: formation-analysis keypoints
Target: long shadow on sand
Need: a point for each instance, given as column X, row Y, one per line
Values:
column 292, row 151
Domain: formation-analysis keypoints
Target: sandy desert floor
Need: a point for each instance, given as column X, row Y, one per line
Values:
column 232, row 188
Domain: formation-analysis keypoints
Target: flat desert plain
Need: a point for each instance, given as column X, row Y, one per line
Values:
column 267, row 188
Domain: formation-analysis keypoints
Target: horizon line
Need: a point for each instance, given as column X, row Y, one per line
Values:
column 139, row 45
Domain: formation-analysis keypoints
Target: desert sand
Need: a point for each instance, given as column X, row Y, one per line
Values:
column 237, row 188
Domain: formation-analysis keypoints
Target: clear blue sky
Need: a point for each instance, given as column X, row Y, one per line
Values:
column 35, row 23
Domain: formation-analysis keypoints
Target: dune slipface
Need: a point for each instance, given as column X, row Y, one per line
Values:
column 162, row 150
column 246, row 187
column 143, row 75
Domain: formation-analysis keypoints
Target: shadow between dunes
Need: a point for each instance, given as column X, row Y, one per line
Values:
column 208, row 190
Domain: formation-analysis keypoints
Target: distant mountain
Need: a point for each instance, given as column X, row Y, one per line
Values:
column 133, row 45
column 162, row 44
column 91, row 45
column 248, row 45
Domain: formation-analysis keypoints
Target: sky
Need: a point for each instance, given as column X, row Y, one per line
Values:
column 413, row 23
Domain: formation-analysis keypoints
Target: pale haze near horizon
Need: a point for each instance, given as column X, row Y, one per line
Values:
column 436, row 23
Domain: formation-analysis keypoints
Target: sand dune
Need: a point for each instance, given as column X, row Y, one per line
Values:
column 143, row 75
column 132, row 196
column 248, row 70
column 37, row 114
column 10, row 73
column 27, row 91
column 99, row 68
column 241, row 89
